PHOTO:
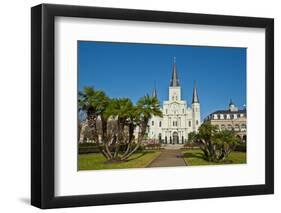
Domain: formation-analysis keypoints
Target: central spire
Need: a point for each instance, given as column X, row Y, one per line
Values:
column 174, row 80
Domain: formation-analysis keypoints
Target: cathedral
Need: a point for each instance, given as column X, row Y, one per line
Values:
column 179, row 118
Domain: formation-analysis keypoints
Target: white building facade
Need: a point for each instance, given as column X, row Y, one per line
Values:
column 179, row 119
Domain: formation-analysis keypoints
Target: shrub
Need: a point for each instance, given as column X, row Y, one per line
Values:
column 241, row 147
column 153, row 146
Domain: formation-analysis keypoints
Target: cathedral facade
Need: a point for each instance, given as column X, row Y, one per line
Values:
column 179, row 118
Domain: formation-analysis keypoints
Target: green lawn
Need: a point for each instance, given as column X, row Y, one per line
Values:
column 96, row 161
column 194, row 157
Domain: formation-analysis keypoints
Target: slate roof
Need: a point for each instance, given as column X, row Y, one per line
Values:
column 240, row 111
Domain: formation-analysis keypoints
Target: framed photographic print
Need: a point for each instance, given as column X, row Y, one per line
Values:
column 139, row 106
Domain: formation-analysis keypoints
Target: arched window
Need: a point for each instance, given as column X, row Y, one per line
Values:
column 152, row 123
column 160, row 124
column 243, row 127
column 236, row 128
column 189, row 123
column 229, row 127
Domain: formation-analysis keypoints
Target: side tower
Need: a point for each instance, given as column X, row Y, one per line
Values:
column 155, row 124
column 174, row 88
column 196, row 118
column 154, row 91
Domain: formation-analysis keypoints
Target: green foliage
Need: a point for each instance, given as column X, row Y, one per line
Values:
column 215, row 145
column 241, row 147
column 148, row 106
column 192, row 137
column 119, row 144
column 153, row 146
column 85, row 148
column 119, row 108
column 87, row 145
column 92, row 101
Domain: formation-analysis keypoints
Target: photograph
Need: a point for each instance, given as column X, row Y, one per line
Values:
column 138, row 105
column 146, row 105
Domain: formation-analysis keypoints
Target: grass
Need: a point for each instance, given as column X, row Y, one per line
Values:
column 194, row 157
column 96, row 161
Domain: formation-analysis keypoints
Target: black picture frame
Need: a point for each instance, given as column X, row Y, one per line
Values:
column 43, row 110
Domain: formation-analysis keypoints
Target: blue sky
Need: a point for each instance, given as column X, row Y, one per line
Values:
column 131, row 70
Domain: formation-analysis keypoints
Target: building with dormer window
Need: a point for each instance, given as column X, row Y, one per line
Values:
column 231, row 119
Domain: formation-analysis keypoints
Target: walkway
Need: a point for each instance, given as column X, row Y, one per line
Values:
column 168, row 158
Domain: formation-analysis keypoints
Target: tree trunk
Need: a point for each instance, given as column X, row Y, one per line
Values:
column 107, row 150
column 92, row 123
column 82, row 133
column 140, row 138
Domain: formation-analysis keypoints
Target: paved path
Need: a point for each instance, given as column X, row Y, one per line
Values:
column 168, row 158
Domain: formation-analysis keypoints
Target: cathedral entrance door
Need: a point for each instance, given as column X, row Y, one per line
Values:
column 175, row 138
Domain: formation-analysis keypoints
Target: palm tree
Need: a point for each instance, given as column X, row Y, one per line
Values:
column 120, row 110
column 226, row 142
column 146, row 107
column 216, row 145
column 205, row 136
column 94, row 103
